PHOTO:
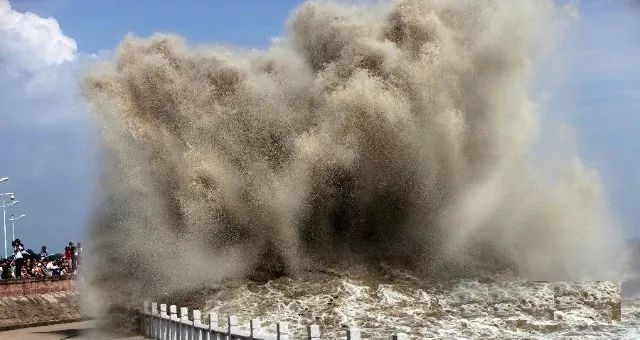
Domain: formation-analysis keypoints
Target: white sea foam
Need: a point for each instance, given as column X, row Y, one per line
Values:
column 458, row 308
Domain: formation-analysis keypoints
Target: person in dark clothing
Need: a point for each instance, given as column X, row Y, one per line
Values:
column 43, row 253
column 6, row 270
column 74, row 257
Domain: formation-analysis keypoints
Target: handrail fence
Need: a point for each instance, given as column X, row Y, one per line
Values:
column 158, row 324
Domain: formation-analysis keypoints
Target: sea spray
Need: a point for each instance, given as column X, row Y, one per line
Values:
column 399, row 132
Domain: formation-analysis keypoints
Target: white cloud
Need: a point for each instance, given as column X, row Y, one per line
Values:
column 45, row 133
column 38, row 71
column 29, row 42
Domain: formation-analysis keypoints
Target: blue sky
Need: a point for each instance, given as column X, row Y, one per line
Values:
column 100, row 25
column 601, row 98
column 48, row 143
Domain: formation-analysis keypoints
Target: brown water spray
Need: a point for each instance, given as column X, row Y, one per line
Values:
column 398, row 133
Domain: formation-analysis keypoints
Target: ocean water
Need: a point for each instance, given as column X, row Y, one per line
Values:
column 382, row 304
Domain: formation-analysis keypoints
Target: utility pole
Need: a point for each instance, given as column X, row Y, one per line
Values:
column 13, row 225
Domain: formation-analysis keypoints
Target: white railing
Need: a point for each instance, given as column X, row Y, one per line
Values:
column 168, row 326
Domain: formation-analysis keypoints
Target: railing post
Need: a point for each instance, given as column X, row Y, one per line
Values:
column 400, row 336
column 146, row 318
column 255, row 328
column 196, row 334
column 154, row 319
column 353, row 333
column 162, row 323
column 213, row 326
column 313, row 332
column 153, row 329
column 184, row 323
column 154, row 322
column 173, row 328
column 232, row 325
column 282, row 331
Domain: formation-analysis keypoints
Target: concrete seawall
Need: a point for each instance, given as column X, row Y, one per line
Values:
column 28, row 303
column 36, row 286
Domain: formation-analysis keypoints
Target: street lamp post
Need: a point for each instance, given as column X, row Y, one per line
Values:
column 5, row 205
column 13, row 225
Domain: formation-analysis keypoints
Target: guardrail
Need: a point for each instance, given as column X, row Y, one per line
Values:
column 168, row 326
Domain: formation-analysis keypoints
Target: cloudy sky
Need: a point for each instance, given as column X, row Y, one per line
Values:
column 48, row 142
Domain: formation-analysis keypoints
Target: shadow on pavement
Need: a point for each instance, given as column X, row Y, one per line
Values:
column 67, row 333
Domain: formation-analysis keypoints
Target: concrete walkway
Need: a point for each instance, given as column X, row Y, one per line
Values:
column 76, row 330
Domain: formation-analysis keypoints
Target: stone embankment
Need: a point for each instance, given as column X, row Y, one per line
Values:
column 28, row 303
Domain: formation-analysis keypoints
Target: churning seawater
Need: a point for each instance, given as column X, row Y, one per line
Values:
column 399, row 302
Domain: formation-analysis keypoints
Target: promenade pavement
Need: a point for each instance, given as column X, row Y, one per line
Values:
column 76, row 330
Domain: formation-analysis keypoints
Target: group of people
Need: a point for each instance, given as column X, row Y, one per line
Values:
column 27, row 264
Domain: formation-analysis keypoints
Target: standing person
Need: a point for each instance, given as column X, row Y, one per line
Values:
column 43, row 253
column 67, row 254
column 78, row 254
column 73, row 257
column 18, row 259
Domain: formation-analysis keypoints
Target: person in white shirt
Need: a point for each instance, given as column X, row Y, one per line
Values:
column 18, row 259
column 51, row 269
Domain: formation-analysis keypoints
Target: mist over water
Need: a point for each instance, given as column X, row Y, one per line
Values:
column 400, row 133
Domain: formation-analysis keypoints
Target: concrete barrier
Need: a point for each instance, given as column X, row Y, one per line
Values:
column 36, row 286
column 29, row 303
